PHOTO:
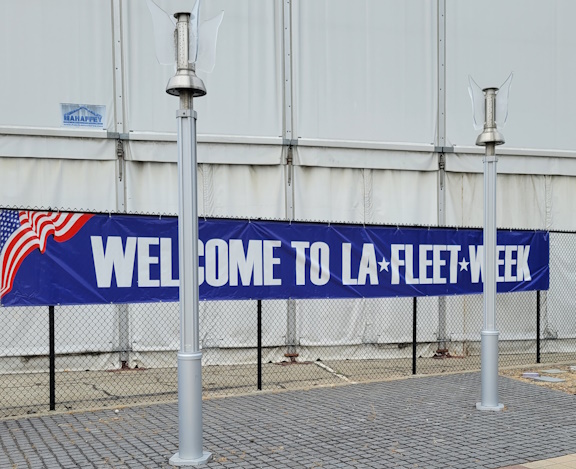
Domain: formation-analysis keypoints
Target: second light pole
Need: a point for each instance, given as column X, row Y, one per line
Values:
column 489, row 138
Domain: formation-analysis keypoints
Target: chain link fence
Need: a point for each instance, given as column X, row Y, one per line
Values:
column 73, row 357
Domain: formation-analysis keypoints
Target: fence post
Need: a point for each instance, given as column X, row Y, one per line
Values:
column 414, row 335
column 123, row 335
column 51, row 358
column 538, row 326
column 259, row 346
column 291, row 340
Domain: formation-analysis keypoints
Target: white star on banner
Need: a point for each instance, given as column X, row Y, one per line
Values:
column 384, row 264
column 463, row 264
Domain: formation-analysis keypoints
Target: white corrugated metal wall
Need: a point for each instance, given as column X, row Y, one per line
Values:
column 316, row 110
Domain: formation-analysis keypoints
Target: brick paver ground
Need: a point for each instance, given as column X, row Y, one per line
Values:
column 424, row 422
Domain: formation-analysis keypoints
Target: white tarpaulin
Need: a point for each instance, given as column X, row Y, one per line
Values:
column 55, row 52
column 535, row 40
column 58, row 184
column 365, row 70
column 245, row 85
column 223, row 190
column 521, row 200
column 365, row 196
column 325, row 110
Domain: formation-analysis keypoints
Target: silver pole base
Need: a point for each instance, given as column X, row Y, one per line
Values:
column 176, row 460
column 496, row 408
column 489, row 372
column 190, row 411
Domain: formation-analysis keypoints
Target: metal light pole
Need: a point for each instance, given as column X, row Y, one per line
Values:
column 490, row 137
column 188, row 86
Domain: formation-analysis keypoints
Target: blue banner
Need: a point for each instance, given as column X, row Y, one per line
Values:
column 50, row 258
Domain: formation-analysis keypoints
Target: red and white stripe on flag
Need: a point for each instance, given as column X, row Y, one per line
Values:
column 35, row 227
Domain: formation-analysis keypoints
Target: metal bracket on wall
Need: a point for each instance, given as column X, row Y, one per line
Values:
column 290, row 143
column 120, row 154
column 443, row 149
column 442, row 161
column 117, row 135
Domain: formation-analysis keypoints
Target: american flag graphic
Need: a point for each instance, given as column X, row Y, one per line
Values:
column 21, row 232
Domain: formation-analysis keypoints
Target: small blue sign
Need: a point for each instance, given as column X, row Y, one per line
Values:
column 83, row 115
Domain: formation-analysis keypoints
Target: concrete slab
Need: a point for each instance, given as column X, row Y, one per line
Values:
column 548, row 379
column 28, row 393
